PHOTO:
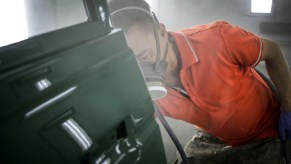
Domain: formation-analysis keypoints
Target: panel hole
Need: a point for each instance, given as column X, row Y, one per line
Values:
column 121, row 131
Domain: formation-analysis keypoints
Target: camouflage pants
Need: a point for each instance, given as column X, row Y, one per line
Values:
column 206, row 149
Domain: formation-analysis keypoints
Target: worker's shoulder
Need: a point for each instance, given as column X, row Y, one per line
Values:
column 204, row 27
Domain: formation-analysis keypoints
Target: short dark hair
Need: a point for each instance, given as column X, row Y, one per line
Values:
column 125, row 19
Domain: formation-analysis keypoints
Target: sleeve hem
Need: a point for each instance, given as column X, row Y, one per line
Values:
column 260, row 53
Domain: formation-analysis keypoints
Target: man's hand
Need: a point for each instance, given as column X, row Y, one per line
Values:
column 285, row 126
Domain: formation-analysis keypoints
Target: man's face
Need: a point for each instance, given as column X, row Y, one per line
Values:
column 142, row 43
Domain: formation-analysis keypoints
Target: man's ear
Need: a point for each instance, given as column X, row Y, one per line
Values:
column 163, row 31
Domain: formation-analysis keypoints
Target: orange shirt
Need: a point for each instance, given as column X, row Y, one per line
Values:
column 228, row 99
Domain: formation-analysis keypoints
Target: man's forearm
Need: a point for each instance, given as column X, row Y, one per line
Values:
column 279, row 72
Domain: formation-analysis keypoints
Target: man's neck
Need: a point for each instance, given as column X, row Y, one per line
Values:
column 173, row 72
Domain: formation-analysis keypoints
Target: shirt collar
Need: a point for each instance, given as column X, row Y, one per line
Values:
column 186, row 50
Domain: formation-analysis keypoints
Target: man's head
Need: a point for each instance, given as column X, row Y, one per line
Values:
column 140, row 26
column 146, row 37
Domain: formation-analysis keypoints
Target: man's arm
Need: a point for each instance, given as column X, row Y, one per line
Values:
column 279, row 72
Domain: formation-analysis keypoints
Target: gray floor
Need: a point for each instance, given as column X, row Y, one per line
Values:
column 184, row 133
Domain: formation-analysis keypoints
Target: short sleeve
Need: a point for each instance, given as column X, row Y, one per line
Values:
column 243, row 47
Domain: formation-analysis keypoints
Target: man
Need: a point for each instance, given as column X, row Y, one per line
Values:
column 212, row 83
